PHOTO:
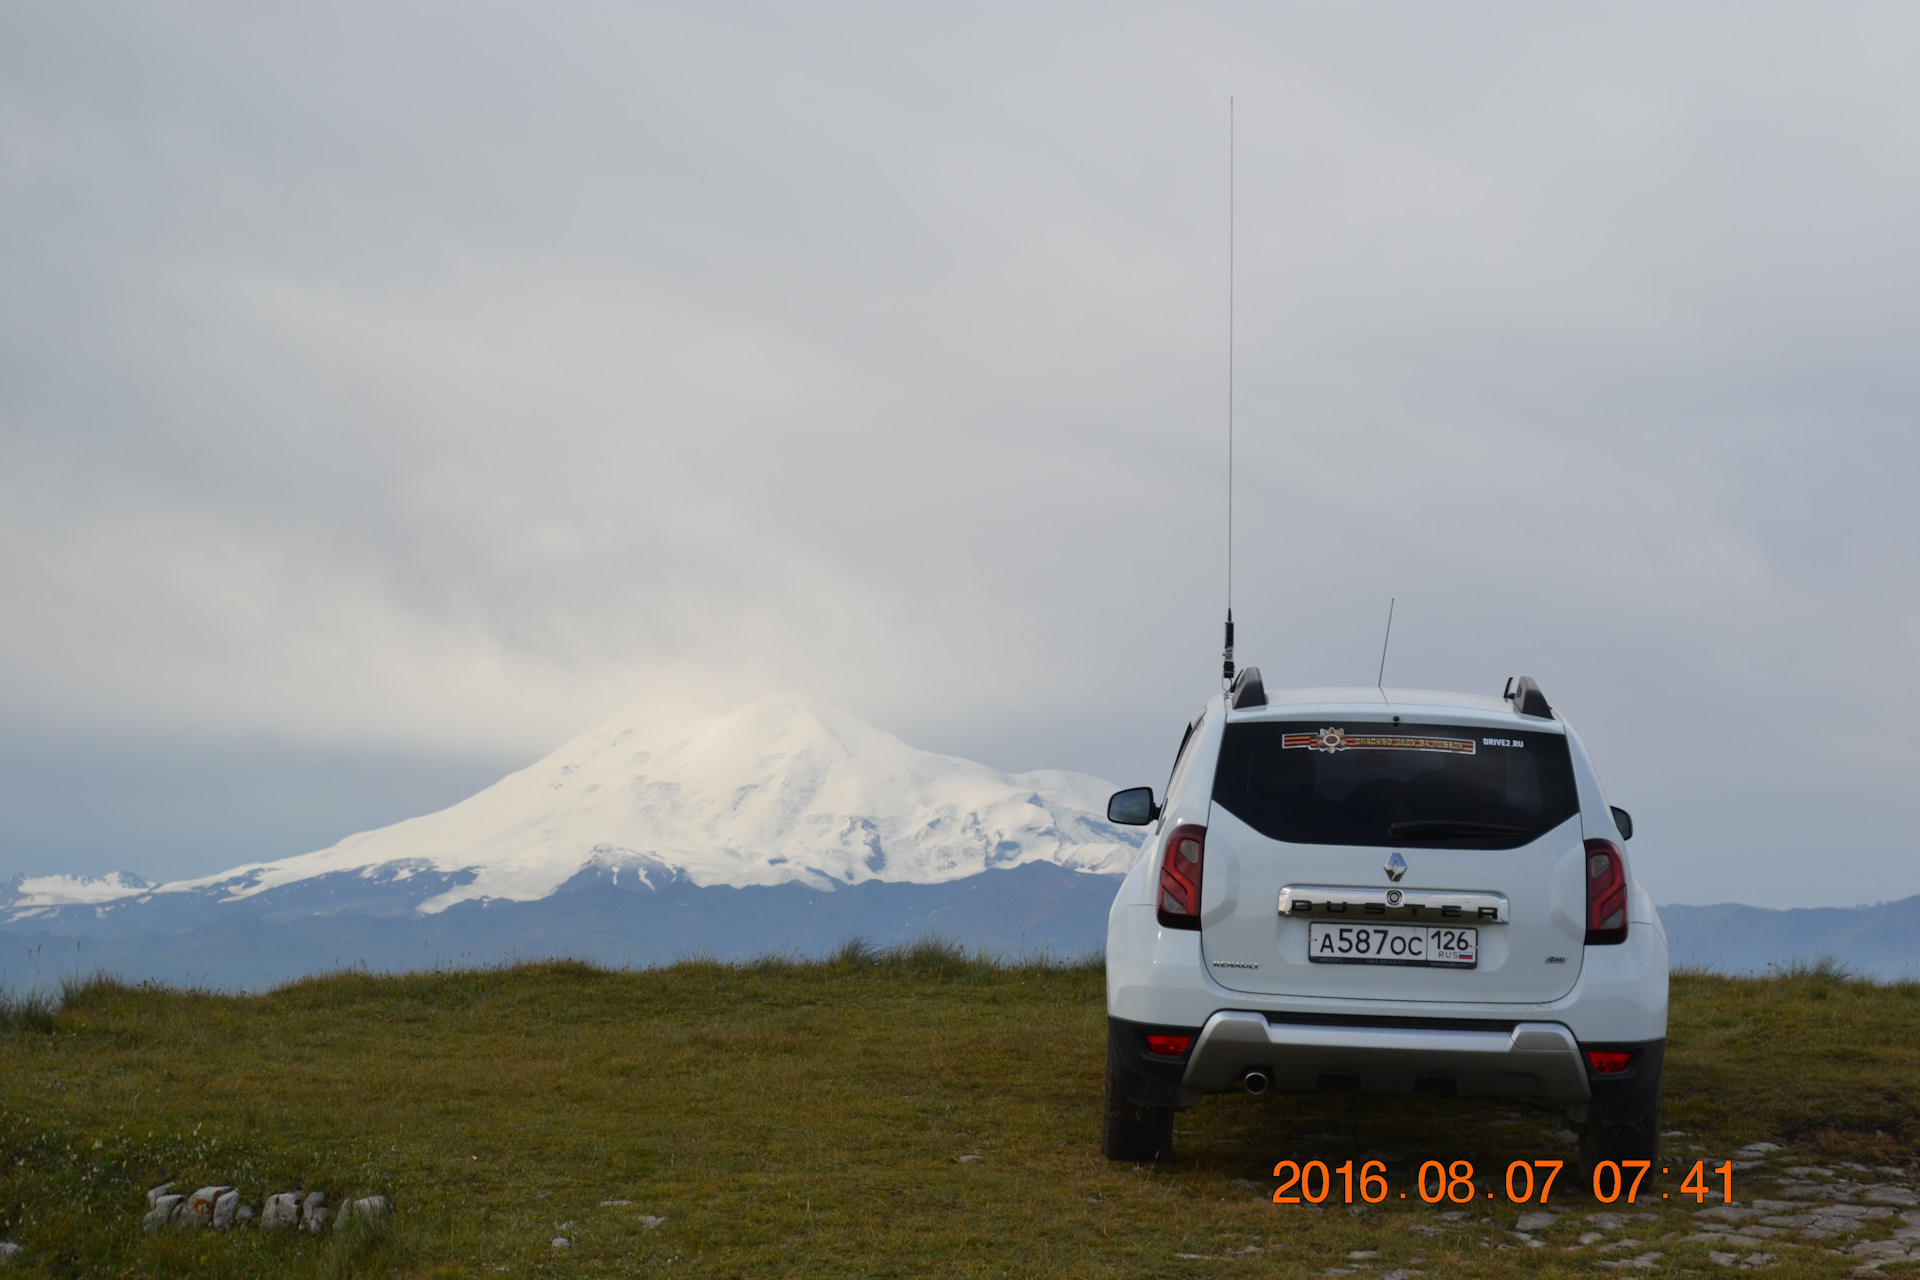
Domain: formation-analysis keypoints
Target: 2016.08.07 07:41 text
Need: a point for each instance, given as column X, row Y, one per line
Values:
column 1613, row 1180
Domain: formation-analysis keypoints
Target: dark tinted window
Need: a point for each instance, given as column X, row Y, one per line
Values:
column 1434, row 786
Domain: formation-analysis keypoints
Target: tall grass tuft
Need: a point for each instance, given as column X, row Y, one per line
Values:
column 856, row 953
column 28, row 1011
column 1823, row 968
column 937, row 957
column 97, row 990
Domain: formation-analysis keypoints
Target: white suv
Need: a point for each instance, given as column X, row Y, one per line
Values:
column 1385, row 891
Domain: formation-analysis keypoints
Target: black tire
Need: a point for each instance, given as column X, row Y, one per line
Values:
column 1132, row 1130
column 1631, row 1140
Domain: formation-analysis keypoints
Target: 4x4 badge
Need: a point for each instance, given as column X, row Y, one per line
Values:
column 1396, row 865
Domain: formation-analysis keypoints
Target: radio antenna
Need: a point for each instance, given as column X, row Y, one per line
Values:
column 1226, row 655
column 1380, row 681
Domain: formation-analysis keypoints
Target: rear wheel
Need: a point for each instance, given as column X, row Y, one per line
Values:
column 1629, row 1140
column 1132, row 1130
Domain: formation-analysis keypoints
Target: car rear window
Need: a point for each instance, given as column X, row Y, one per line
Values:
column 1433, row 786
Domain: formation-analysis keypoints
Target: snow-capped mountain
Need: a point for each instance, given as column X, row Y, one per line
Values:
column 779, row 791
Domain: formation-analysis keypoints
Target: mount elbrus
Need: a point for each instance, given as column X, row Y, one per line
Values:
column 782, row 825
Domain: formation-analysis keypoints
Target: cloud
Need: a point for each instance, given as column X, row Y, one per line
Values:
column 435, row 379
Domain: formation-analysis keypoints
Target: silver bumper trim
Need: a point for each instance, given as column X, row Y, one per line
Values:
column 1537, row 1059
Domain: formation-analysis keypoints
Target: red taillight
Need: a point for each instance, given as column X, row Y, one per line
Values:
column 1180, row 877
column 1607, row 1062
column 1606, row 894
column 1168, row 1046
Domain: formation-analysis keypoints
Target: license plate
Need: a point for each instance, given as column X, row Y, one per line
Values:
column 1445, row 946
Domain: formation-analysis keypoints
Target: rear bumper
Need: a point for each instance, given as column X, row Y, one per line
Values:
column 1158, row 977
column 1534, row 1059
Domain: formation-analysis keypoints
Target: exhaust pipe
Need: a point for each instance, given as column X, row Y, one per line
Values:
column 1256, row 1082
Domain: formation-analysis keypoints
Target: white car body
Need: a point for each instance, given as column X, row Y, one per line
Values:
column 1520, row 1020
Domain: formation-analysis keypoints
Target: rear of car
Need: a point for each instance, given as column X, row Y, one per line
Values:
column 1390, row 892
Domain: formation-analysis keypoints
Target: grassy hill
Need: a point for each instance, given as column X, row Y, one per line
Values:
column 903, row 1114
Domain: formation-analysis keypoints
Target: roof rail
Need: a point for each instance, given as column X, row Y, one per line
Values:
column 1247, row 691
column 1524, row 693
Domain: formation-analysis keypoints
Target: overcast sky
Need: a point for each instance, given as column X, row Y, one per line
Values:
column 390, row 392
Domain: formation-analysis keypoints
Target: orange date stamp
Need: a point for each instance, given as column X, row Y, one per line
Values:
column 1453, row 1182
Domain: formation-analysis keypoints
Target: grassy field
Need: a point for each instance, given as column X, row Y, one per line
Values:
column 909, row 1114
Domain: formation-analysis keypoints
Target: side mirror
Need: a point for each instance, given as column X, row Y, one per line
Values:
column 1133, row 807
column 1621, row 819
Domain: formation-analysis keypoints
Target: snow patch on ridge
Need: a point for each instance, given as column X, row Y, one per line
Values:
column 58, row 891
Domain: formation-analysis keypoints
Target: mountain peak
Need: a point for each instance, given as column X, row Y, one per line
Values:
column 781, row 789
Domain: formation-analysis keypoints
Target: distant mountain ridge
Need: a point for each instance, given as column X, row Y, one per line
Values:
column 1036, row 907
column 619, row 919
column 783, row 825
column 1879, row 941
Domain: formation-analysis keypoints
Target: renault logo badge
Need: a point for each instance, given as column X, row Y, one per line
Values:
column 1396, row 866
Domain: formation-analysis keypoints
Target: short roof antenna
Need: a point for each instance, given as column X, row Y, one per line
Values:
column 1380, row 681
column 1226, row 654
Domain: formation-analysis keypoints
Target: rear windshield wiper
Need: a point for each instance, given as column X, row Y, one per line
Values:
column 1448, row 829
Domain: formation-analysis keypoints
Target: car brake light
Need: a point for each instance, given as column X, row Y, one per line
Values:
column 1608, row 1062
column 1168, row 1046
column 1180, row 876
column 1606, row 894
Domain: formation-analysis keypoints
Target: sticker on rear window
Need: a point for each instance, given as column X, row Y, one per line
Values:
column 1341, row 740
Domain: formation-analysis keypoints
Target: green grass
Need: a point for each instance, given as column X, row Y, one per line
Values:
column 27, row 1011
column 1812, row 1057
column 814, row 1118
